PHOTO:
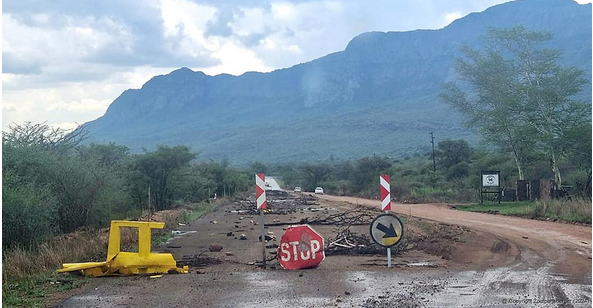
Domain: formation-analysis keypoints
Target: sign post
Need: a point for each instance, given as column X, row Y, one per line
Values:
column 386, row 204
column 490, row 184
column 387, row 230
column 260, row 197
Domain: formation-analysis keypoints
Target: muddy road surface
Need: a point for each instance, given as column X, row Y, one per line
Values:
column 448, row 258
column 564, row 247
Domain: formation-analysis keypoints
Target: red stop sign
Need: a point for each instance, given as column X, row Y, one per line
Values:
column 300, row 247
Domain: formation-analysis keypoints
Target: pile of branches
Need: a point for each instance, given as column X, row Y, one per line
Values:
column 347, row 242
column 350, row 243
column 356, row 217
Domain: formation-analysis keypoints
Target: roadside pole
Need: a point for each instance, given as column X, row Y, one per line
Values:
column 260, row 197
column 386, row 205
column 388, row 253
column 263, row 238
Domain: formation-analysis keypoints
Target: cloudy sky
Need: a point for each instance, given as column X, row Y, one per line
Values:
column 65, row 61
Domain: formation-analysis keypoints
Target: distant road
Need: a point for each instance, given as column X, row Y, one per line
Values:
column 273, row 184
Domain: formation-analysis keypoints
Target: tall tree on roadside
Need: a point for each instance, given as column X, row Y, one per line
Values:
column 549, row 92
column 521, row 99
column 157, row 169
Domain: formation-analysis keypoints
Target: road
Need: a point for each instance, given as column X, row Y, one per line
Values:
column 547, row 265
column 565, row 247
column 273, row 184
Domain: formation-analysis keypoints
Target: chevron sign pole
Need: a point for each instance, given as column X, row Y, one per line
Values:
column 385, row 193
column 260, row 197
column 260, row 191
column 386, row 204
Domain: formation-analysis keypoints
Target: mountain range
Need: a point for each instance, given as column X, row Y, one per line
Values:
column 379, row 96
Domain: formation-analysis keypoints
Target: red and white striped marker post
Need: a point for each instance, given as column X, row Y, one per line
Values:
column 386, row 204
column 260, row 191
column 262, row 204
column 385, row 193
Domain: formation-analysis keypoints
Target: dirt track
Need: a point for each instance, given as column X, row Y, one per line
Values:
column 503, row 262
column 565, row 247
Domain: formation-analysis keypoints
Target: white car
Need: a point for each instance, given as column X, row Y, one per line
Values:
column 297, row 189
column 319, row 190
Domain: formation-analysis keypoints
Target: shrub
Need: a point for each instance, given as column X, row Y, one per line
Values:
column 28, row 213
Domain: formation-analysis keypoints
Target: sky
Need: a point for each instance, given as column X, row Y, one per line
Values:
column 64, row 62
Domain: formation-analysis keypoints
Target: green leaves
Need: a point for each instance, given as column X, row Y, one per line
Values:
column 519, row 97
column 51, row 184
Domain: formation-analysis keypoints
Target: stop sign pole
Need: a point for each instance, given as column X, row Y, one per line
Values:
column 386, row 204
column 260, row 197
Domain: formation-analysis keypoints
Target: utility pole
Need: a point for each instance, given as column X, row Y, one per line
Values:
column 434, row 162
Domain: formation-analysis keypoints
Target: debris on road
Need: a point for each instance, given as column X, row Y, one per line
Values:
column 350, row 243
column 268, row 238
column 215, row 247
column 198, row 261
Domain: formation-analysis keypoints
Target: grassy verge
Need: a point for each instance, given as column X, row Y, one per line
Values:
column 570, row 211
column 191, row 213
column 28, row 277
column 32, row 291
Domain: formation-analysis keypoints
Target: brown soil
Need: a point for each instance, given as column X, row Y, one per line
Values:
column 448, row 258
column 566, row 246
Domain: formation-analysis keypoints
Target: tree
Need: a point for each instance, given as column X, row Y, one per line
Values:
column 451, row 152
column 43, row 137
column 157, row 169
column 314, row 174
column 521, row 100
column 577, row 142
column 367, row 171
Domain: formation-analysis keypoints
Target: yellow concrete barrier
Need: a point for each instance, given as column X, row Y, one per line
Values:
column 129, row 263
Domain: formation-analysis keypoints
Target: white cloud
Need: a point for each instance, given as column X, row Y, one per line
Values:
column 236, row 60
column 450, row 17
column 83, row 105
column 68, row 126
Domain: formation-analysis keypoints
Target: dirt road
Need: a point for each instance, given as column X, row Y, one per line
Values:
column 496, row 262
column 565, row 247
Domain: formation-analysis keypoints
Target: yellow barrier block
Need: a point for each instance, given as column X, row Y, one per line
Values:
column 129, row 263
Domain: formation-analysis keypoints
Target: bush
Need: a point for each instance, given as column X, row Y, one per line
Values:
column 458, row 171
column 28, row 214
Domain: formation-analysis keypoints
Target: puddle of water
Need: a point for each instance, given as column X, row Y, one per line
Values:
column 421, row 263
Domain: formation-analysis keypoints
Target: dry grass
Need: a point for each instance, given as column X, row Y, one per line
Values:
column 79, row 246
column 576, row 210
